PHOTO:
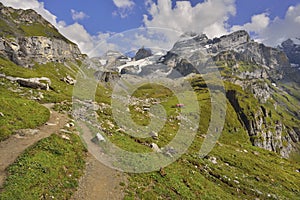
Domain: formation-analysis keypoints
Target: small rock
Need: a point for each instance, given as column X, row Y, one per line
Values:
column 213, row 160
column 155, row 147
column 257, row 178
column 110, row 124
column 65, row 131
column 1, row 114
column 255, row 153
column 98, row 138
column 69, row 80
column 65, row 137
column 236, row 181
column 50, row 124
column 71, row 124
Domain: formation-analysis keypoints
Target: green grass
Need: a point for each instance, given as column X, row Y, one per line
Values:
column 50, row 169
column 242, row 171
column 20, row 114
column 38, row 29
column 10, row 28
column 59, row 92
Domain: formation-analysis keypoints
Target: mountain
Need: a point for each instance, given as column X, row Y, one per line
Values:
column 255, row 157
column 26, row 37
column 292, row 49
column 261, row 71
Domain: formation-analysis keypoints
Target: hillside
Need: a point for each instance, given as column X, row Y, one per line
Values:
column 256, row 154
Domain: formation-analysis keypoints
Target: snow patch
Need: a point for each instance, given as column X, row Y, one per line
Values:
column 140, row 63
column 103, row 62
column 296, row 41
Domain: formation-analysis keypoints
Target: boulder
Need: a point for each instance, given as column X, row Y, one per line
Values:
column 35, row 83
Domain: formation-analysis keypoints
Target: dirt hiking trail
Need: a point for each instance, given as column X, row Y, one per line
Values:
column 99, row 182
column 13, row 147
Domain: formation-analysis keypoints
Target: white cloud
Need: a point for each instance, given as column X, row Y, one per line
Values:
column 78, row 15
column 273, row 31
column 281, row 29
column 258, row 23
column 209, row 17
column 124, row 3
column 124, row 7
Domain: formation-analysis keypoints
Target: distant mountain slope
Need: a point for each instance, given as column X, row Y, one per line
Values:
column 264, row 72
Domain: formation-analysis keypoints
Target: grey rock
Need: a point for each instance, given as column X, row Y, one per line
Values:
column 213, row 160
column 25, row 51
column 142, row 53
column 98, row 138
column 155, row 148
column 34, row 83
column 69, row 80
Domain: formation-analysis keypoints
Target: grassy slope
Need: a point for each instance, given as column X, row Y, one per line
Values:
column 9, row 28
column 50, row 169
column 53, row 165
column 21, row 112
column 54, row 71
column 242, row 171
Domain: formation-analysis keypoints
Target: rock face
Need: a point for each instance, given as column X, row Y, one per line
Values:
column 142, row 53
column 23, row 51
column 236, row 47
column 27, row 38
column 264, row 131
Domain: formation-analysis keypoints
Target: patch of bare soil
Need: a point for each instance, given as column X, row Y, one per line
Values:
column 99, row 182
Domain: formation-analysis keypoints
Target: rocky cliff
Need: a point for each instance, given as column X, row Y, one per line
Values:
column 233, row 47
column 27, row 38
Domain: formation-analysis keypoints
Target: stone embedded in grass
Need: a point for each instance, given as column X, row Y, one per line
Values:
column 213, row 160
column 98, row 138
column 155, row 148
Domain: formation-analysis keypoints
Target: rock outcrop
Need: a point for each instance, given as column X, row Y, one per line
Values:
column 27, row 38
column 264, row 131
column 233, row 47
column 42, row 83
column 142, row 53
column 25, row 51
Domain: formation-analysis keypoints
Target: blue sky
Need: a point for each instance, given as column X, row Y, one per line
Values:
column 89, row 22
column 102, row 19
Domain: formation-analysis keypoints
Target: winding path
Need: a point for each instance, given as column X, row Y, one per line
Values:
column 98, row 182
column 13, row 147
